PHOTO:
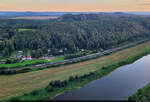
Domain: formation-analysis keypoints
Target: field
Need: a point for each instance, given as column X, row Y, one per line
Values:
column 60, row 58
column 23, row 64
column 22, row 30
column 17, row 85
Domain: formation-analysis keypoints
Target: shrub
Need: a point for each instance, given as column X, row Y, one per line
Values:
column 76, row 77
column 71, row 78
column 85, row 75
column 91, row 73
column 56, row 83
column 35, row 92
column 103, row 67
column 64, row 83
column 49, row 88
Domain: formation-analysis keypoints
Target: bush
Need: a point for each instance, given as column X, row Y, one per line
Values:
column 64, row 83
column 91, row 73
column 49, row 88
column 103, row 67
column 85, row 75
column 35, row 92
column 76, row 77
column 71, row 78
column 56, row 83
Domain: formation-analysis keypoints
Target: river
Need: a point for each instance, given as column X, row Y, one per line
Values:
column 118, row 85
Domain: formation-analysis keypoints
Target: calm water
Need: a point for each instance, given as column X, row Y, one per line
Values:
column 118, row 85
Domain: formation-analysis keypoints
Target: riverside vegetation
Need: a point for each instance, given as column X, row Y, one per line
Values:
column 142, row 94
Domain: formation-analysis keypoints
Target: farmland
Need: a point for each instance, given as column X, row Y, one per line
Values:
column 17, row 85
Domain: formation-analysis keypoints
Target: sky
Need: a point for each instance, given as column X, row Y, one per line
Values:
column 75, row 5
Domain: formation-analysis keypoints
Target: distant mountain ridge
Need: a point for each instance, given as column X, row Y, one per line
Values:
column 29, row 13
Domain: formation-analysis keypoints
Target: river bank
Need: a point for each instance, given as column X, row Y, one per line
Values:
column 24, row 83
column 142, row 94
column 81, row 81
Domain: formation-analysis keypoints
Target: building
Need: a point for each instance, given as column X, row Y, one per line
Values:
column 82, row 50
column 23, row 58
column 20, row 54
column 61, row 51
column 26, row 58
column 29, row 58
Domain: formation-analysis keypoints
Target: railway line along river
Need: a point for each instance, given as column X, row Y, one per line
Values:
column 118, row 85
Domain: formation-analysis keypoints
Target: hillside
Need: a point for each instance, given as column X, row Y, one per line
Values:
column 72, row 33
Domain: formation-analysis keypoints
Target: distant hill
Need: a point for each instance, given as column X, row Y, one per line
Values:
column 12, row 14
column 139, row 13
column 19, row 14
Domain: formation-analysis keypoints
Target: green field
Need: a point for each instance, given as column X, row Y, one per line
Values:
column 60, row 58
column 141, row 95
column 20, row 84
column 31, row 62
column 23, row 29
column 23, row 64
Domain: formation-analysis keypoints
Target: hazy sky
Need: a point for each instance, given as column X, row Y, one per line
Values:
column 75, row 5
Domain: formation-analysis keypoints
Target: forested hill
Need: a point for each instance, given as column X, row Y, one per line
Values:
column 72, row 33
column 82, row 17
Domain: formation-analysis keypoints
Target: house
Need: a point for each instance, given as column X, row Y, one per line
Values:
column 26, row 58
column 101, row 49
column 23, row 58
column 61, row 50
column 20, row 54
column 29, row 58
column 48, row 50
column 82, row 50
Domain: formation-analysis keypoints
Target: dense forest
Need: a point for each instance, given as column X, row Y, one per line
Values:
column 71, row 33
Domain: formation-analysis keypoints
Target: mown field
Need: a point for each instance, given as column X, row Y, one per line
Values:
column 17, row 85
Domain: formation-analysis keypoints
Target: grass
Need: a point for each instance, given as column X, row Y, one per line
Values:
column 141, row 95
column 23, row 64
column 19, row 84
column 31, row 62
column 60, row 58
column 22, row 30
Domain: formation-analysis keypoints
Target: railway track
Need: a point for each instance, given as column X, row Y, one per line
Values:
column 74, row 60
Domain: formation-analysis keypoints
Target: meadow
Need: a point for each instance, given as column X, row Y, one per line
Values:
column 22, row 30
